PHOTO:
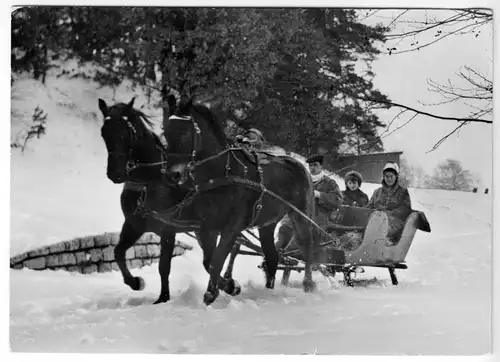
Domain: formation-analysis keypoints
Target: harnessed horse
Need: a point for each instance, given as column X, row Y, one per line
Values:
column 137, row 158
column 232, row 190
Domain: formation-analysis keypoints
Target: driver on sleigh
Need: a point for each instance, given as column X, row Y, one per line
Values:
column 328, row 198
column 252, row 138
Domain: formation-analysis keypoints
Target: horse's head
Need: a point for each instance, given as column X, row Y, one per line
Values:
column 123, row 132
column 192, row 134
column 182, row 131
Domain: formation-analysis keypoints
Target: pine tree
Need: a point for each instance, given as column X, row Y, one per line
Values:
column 290, row 72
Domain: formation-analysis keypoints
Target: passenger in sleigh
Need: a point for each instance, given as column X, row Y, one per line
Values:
column 352, row 195
column 393, row 199
column 328, row 198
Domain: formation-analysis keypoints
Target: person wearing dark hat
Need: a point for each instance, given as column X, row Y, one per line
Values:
column 353, row 196
column 392, row 198
column 327, row 196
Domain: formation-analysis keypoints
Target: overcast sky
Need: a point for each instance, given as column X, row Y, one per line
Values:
column 403, row 78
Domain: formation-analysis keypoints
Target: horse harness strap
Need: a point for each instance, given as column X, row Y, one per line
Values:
column 213, row 184
column 254, row 185
column 196, row 135
column 131, row 165
column 134, row 186
column 257, row 208
column 227, row 180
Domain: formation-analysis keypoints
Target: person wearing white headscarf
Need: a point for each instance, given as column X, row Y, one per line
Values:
column 392, row 198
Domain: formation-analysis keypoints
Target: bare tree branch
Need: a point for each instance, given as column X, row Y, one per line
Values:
column 481, row 91
column 426, row 27
column 441, row 141
column 479, row 13
column 399, row 127
column 392, row 121
column 368, row 14
column 472, row 88
column 480, row 75
column 393, row 104
column 391, row 52
column 463, row 21
column 385, row 134
column 396, row 19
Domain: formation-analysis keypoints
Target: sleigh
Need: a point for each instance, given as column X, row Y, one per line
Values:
column 375, row 249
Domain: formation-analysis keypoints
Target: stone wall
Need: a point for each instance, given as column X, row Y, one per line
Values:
column 93, row 254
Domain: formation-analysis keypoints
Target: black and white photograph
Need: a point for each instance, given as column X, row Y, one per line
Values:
column 206, row 179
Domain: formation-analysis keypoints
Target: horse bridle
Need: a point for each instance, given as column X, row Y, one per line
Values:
column 130, row 164
column 211, row 184
column 192, row 164
column 196, row 140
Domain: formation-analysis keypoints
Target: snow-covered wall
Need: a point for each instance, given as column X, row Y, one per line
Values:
column 93, row 254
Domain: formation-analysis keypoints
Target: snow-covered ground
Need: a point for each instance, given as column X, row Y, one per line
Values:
column 59, row 190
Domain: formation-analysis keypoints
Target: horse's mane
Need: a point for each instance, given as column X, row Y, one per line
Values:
column 144, row 119
column 213, row 123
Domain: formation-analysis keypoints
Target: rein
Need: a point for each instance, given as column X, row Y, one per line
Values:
column 193, row 164
column 132, row 165
column 167, row 216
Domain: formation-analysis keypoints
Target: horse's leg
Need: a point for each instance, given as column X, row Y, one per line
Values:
column 167, row 250
column 225, row 244
column 232, row 257
column 231, row 287
column 266, row 235
column 128, row 237
column 208, row 242
column 305, row 239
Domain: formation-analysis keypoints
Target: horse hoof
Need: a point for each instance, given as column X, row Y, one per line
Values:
column 209, row 297
column 138, row 284
column 162, row 299
column 232, row 288
column 237, row 289
column 309, row 286
column 270, row 283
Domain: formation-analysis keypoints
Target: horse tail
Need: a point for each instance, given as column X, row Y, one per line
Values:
column 307, row 204
column 304, row 230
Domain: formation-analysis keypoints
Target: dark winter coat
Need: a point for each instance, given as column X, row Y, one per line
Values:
column 330, row 199
column 354, row 198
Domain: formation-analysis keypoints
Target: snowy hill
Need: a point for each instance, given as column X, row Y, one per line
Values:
column 66, row 168
column 59, row 190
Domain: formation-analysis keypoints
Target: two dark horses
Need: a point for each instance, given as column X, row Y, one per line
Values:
column 201, row 182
